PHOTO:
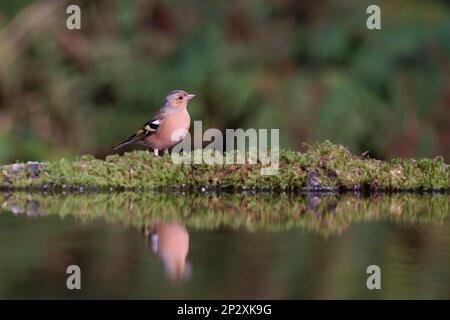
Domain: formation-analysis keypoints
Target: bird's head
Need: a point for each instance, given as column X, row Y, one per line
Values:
column 178, row 99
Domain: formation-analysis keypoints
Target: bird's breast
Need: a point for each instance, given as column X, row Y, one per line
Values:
column 176, row 126
column 172, row 129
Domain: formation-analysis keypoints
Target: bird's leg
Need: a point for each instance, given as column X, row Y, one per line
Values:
column 155, row 151
column 166, row 152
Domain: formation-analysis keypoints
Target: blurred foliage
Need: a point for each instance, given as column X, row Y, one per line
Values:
column 310, row 68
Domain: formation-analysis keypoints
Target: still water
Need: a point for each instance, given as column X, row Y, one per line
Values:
column 207, row 246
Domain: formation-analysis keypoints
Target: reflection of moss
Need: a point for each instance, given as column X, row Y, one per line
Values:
column 326, row 214
column 324, row 166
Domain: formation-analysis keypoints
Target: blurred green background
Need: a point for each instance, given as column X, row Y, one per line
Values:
column 310, row 68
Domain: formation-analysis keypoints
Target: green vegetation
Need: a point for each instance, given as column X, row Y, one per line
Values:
column 324, row 166
column 311, row 68
column 326, row 214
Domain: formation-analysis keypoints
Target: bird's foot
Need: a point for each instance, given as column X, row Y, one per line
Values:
column 155, row 151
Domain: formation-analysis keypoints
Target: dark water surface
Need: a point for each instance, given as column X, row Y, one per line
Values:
column 154, row 245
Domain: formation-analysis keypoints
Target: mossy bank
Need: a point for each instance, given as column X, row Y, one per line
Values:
column 323, row 166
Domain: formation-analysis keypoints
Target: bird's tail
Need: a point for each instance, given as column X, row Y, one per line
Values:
column 124, row 143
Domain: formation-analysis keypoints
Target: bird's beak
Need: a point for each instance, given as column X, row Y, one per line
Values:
column 190, row 96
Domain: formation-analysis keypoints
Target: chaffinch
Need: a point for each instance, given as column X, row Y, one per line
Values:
column 167, row 127
column 170, row 241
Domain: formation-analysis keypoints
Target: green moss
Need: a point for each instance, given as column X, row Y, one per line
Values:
column 327, row 214
column 323, row 166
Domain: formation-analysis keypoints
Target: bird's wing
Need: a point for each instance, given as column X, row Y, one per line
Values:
column 149, row 128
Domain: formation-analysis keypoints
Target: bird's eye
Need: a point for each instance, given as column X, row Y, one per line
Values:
column 180, row 98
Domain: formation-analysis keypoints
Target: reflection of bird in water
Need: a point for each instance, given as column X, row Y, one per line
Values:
column 170, row 242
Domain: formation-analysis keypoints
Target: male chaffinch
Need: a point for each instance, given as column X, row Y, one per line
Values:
column 170, row 241
column 167, row 127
